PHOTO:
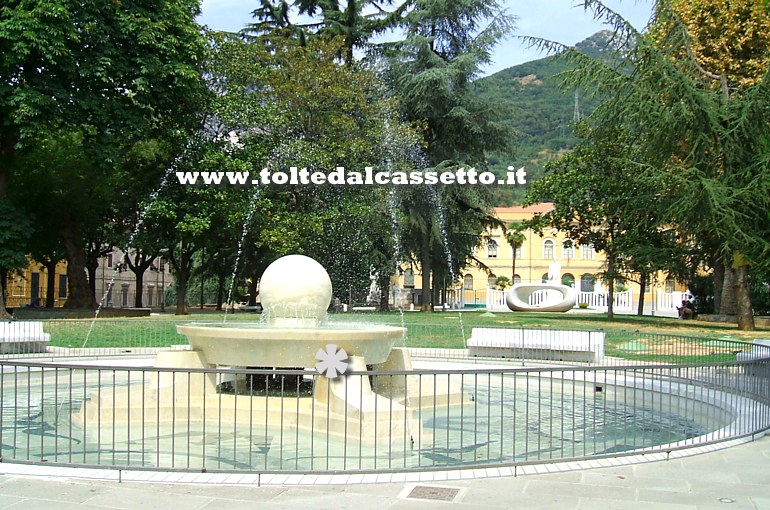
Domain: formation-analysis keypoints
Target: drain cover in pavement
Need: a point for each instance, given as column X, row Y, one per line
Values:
column 434, row 493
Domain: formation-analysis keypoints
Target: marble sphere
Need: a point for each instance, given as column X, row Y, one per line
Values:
column 295, row 290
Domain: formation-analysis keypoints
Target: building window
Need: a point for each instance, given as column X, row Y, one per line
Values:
column 109, row 260
column 568, row 279
column 516, row 279
column 518, row 252
column 468, row 282
column 492, row 246
column 587, row 283
column 544, row 278
column 670, row 284
column 548, row 249
column 568, row 250
column 125, row 296
column 587, row 251
column 492, row 281
column 62, row 286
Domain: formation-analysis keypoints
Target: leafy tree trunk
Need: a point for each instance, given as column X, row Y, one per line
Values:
column 728, row 293
column 182, row 276
column 3, row 284
column 80, row 293
column 182, row 279
column 719, row 280
column 6, row 151
column 513, row 267
column 181, row 259
column 252, row 291
column 139, row 264
column 427, row 295
column 642, row 289
column 50, row 292
column 611, row 288
column 742, row 294
column 138, row 298
column 384, row 284
column 92, row 264
column 91, row 272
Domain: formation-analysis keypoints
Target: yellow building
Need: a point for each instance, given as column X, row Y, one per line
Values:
column 578, row 265
column 29, row 287
column 115, row 285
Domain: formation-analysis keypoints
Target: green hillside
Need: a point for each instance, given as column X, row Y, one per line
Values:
column 540, row 111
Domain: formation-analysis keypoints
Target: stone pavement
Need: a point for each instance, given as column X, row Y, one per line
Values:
column 724, row 478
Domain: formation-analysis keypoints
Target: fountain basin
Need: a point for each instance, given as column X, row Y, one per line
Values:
column 260, row 345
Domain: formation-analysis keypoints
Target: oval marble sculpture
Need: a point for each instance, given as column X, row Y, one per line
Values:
column 518, row 297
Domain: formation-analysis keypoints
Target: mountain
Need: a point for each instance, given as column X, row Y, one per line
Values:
column 540, row 110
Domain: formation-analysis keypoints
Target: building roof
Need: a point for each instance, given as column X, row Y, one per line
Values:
column 542, row 208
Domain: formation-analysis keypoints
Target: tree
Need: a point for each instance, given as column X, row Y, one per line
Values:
column 515, row 237
column 356, row 22
column 285, row 105
column 66, row 188
column 727, row 43
column 596, row 201
column 431, row 73
column 503, row 282
column 728, row 39
column 703, row 140
column 108, row 73
column 649, row 250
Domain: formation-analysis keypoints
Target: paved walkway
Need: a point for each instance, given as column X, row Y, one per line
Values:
column 728, row 479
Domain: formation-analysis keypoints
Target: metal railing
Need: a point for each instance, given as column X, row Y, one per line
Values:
column 270, row 422
column 142, row 417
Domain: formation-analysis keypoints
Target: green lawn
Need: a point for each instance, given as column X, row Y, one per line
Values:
column 628, row 337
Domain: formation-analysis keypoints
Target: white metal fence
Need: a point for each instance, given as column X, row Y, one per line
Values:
column 622, row 301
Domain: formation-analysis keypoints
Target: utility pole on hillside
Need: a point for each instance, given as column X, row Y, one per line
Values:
column 576, row 113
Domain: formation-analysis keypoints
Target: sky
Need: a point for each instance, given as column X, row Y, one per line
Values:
column 557, row 20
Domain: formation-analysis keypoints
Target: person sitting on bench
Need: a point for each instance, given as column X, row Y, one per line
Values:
column 687, row 310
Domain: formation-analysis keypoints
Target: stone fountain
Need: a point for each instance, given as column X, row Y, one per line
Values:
column 295, row 292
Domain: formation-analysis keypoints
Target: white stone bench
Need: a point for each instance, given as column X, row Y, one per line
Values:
column 586, row 346
column 363, row 308
column 22, row 337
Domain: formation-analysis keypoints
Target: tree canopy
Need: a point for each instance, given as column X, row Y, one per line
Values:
column 107, row 75
column 697, row 138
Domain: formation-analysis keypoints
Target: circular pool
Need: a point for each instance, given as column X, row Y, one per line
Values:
column 508, row 416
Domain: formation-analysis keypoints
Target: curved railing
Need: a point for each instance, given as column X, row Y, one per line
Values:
column 130, row 415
